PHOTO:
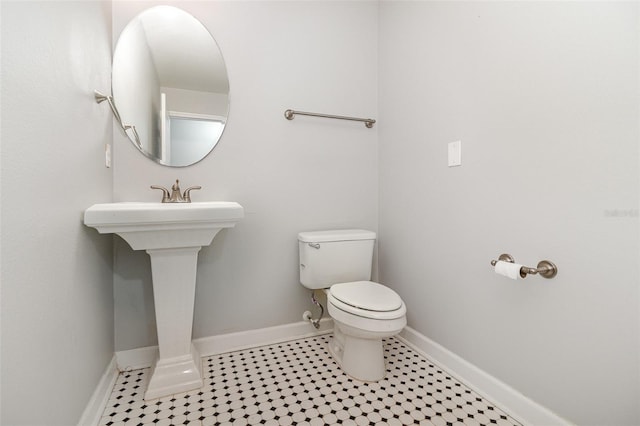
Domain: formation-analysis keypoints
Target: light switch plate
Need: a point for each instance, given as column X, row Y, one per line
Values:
column 455, row 153
column 107, row 155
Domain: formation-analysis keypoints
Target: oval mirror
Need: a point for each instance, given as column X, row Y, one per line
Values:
column 170, row 85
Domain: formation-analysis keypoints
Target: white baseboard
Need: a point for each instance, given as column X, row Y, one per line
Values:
column 135, row 359
column 508, row 399
column 208, row 346
column 144, row 357
column 98, row 401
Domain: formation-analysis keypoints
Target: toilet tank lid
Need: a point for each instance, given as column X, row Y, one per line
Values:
column 336, row 235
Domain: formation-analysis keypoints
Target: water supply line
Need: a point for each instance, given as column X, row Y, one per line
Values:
column 306, row 316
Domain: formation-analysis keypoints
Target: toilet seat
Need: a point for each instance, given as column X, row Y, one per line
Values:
column 367, row 299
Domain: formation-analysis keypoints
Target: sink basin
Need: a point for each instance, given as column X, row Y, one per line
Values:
column 172, row 234
column 164, row 225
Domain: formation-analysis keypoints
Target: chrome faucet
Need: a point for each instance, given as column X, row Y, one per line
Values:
column 175, row 196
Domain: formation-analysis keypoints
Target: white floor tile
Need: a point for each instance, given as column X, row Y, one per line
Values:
column 298, row 383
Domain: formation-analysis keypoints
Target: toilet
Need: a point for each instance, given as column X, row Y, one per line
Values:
column 364, row 312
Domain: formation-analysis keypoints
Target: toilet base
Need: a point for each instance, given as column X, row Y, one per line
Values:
column 359, row 358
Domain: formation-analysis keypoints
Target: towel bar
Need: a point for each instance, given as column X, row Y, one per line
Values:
column 289, row 115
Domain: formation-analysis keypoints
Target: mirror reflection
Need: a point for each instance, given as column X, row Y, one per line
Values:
column 170, row 83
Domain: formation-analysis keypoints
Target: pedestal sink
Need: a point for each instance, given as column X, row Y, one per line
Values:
column 172, row 234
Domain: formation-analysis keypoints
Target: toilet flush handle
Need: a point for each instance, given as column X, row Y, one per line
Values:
column 314, row 245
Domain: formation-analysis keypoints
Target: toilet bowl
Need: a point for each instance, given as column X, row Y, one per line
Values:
column 363, row 312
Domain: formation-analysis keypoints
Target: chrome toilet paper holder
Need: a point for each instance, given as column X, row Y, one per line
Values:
column 545, row 268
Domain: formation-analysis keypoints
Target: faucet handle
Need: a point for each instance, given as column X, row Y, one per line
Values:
column 165, row 193
column 187, row 193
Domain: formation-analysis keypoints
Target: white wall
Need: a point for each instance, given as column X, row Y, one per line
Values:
column 544, row 97
column 57, row 293
column 290, row 176
column 196, row 102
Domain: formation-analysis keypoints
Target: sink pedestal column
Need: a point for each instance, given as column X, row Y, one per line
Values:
column 178, row 368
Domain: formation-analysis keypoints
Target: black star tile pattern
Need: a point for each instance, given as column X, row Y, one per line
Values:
column 299, row 383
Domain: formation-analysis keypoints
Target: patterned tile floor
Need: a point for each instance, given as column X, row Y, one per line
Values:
column 298, row 383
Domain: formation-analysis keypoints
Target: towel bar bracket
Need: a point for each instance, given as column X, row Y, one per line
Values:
column 125, row 127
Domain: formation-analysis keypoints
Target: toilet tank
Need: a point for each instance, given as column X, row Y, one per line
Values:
column 331, row 257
